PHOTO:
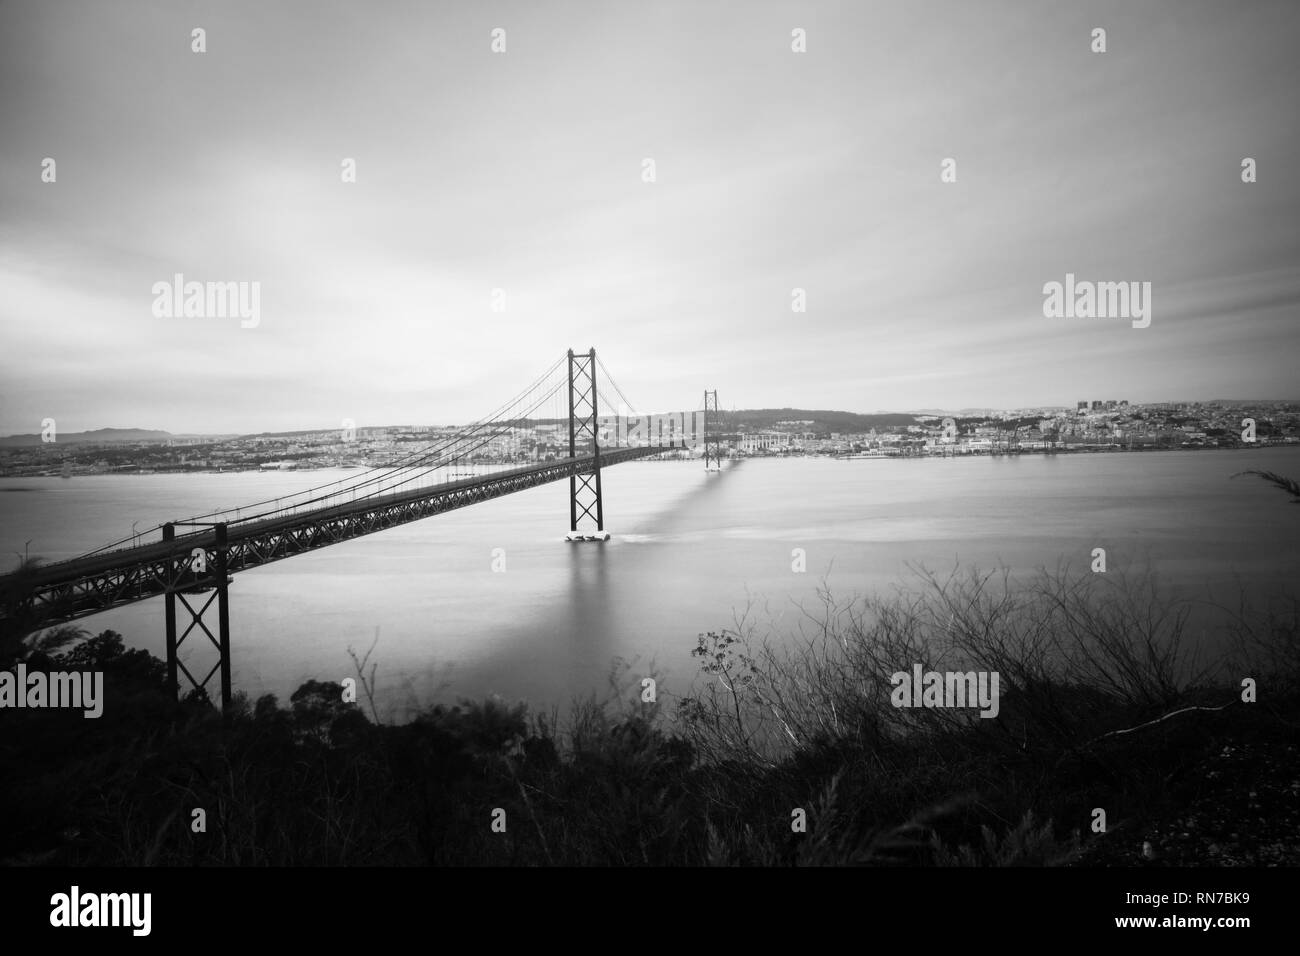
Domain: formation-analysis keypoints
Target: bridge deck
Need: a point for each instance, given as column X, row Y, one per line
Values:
column 64, row 590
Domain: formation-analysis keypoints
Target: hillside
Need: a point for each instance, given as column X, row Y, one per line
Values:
column 98, row 436
column 823, row 420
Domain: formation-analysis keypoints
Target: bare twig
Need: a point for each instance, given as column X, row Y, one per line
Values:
column 1149, row 723
column 368, row 685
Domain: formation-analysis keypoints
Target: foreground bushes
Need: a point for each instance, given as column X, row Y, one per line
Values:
column 775, row 730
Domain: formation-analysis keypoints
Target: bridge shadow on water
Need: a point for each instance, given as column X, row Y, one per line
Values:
column 686, row 510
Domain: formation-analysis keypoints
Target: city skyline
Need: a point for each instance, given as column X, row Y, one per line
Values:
column 523, row 171
column 1111, row 407
column 925, row 412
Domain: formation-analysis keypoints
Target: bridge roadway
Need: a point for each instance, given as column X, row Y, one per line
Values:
column 65, row 590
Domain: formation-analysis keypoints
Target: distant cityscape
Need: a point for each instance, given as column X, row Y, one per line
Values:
column 1090, row 426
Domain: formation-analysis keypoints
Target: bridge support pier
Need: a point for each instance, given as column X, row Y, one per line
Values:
column 217, row 586
column 585, row 500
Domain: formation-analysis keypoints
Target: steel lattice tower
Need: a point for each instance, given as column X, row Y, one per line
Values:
column 712, row 422
column 585, row 501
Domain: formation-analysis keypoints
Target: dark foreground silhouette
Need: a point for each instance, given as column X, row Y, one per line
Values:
column 788, row 753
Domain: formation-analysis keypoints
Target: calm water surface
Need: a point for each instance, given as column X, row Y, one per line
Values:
column 690, row 552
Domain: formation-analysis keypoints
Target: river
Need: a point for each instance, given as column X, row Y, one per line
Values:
column 690, row 552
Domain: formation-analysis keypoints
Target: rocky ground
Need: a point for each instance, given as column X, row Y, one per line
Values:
column 1238, row 804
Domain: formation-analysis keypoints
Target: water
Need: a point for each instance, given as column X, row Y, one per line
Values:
column 690, row 552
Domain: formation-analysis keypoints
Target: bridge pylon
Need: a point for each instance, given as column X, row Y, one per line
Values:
column 586, row 505
column 712, row 441
column 198, row 582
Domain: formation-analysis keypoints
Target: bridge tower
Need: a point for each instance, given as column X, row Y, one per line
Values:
column 195, row 574
column 712, row 441
column 585, row 501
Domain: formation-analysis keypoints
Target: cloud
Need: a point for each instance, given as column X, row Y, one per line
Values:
column 522, row 172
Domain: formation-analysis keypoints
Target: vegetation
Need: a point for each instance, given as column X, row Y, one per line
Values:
column 1289, row 485
column 1102, row 706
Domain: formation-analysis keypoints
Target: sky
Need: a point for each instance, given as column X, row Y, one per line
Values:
column 523, row 171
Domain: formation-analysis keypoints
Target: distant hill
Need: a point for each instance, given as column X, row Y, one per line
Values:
column 959, row 413
column 823, row 420
column 97, row 437
column 1248, row 401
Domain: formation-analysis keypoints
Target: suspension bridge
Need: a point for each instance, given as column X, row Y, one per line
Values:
column 193, row 560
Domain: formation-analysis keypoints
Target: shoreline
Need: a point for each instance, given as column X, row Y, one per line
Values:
column 980, row 453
